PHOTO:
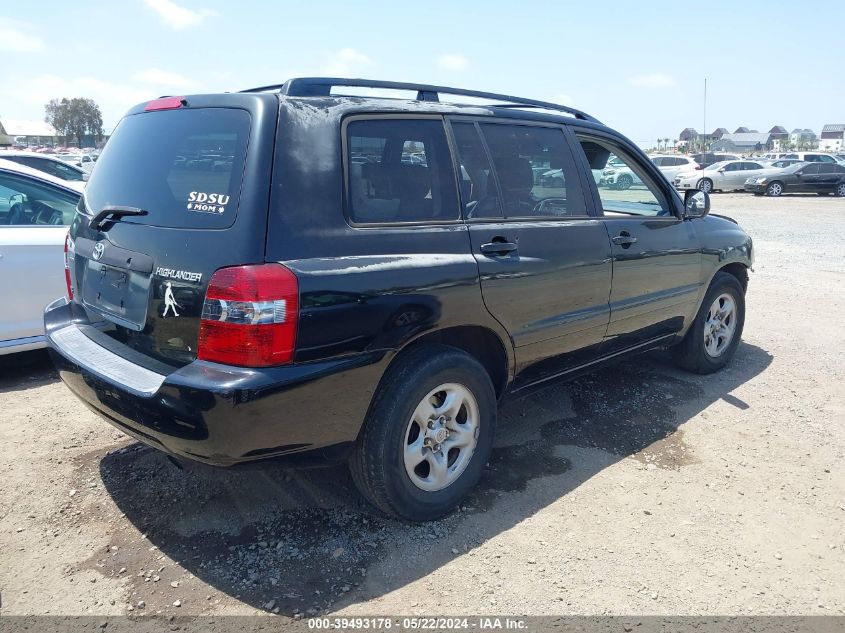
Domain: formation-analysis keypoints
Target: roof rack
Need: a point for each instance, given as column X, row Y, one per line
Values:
column 322, row 87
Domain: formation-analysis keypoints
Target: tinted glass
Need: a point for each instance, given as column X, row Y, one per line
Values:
column 184, row 167
column 534, row 171
column 629, row 190
column 812, row 168
column 732, row 167
column 479, row 193
column 399, row 170
column 660, row 161
column 831, row 168
column 750, row 166
column 26, row 202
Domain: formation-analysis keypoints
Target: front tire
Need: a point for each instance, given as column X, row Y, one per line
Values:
column 840, row 190
column 428, row 435
column 774, row 189
column 706, row 185
column 624, row 182
column 712, row 339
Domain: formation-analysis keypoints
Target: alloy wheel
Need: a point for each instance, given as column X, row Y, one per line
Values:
column 720, row 325
column 441, row 437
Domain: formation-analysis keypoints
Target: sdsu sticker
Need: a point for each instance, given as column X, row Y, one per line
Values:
column 207, row 202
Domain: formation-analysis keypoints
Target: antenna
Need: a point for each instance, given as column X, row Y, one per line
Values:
column 704, row 147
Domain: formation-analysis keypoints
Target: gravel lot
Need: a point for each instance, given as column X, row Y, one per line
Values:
column 637, row 490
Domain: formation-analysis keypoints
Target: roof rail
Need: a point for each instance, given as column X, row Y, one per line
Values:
column 322, row 87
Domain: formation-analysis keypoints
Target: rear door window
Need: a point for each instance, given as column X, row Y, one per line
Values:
column 184, row 167
column 535, row 171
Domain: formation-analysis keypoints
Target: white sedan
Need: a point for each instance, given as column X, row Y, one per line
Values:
column 35, row 211
column 725, row 176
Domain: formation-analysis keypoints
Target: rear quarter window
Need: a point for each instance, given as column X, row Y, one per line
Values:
column 184, row 167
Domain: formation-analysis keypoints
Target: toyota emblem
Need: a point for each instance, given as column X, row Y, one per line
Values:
column 98, row 250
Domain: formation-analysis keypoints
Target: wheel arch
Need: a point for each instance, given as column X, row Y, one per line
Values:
column 480, row 342
column 738, row 270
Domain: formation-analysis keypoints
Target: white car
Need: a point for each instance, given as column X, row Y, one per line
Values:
column 814, row 157
column 725, row 176
column 35, row 211
column 617, row 175
column 57, row 168
column 84, row 161
column 673, row 164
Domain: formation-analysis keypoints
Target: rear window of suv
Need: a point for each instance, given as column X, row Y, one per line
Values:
column 184, row 167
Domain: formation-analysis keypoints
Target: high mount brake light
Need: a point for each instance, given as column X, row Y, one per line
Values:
column 165, row 103
column 249, row 316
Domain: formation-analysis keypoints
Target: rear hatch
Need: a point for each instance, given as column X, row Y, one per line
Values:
column 180, row 190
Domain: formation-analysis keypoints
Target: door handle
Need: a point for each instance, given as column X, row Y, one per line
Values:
column 497, row 248
column 624, row 239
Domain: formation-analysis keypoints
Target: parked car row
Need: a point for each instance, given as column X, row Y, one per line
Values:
column 56, row 167
column 786, row 175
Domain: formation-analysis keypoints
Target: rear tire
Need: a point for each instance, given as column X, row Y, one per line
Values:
column 840, row 190
column 711, row 341
column 392, row 441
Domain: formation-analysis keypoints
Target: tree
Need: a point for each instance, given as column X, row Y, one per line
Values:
column 74, row 118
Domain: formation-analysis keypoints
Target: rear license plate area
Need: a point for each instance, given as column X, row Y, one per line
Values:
column 121, row 295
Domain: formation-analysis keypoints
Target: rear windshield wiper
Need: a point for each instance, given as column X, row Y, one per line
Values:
column 113, row 213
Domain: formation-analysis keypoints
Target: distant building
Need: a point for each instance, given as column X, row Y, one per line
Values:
column 832, row 138
column 741, row 130
column 30, row 132
column 718, row 133
column 742, row 142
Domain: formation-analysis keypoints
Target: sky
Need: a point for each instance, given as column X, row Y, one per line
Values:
column 638, row 66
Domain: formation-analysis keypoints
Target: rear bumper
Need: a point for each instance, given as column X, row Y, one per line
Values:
column 212, row 413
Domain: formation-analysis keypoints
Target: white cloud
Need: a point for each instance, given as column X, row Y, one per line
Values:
column 15, row 36
column 452, row 61
column 158, row 77
column 653, row 80
column 176, row 16
column 347, row 62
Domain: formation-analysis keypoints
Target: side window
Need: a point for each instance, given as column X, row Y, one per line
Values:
column 660, row 161
column 678, row 162
column 826, row 159
column 812, row 168
column 479, row 193
column 399, row 170
column 732, row 167
column 534, row 170
column 625, row 188
column 25, row 202
column 751, row 166
column 60, row 170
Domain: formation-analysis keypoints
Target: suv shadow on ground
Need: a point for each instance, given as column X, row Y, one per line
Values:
column 305, row 541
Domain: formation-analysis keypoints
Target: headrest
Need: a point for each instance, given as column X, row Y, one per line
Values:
column 514, row 174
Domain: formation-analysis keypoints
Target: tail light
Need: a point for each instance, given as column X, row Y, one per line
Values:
column 249, row 316
column 69, row 253
column 698, row 167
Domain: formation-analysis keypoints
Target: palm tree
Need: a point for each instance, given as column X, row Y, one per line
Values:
column 675, row 145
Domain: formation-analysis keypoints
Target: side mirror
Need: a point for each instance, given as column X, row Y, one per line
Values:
column 721, row 170
column 799, row 173
column 696, row 203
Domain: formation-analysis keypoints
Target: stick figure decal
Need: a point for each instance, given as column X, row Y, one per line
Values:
column 169, row 300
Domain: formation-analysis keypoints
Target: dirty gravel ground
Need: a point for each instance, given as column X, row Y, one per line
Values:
column 637, row 490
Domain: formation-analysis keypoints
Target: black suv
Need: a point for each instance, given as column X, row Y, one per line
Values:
column 291, row 273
